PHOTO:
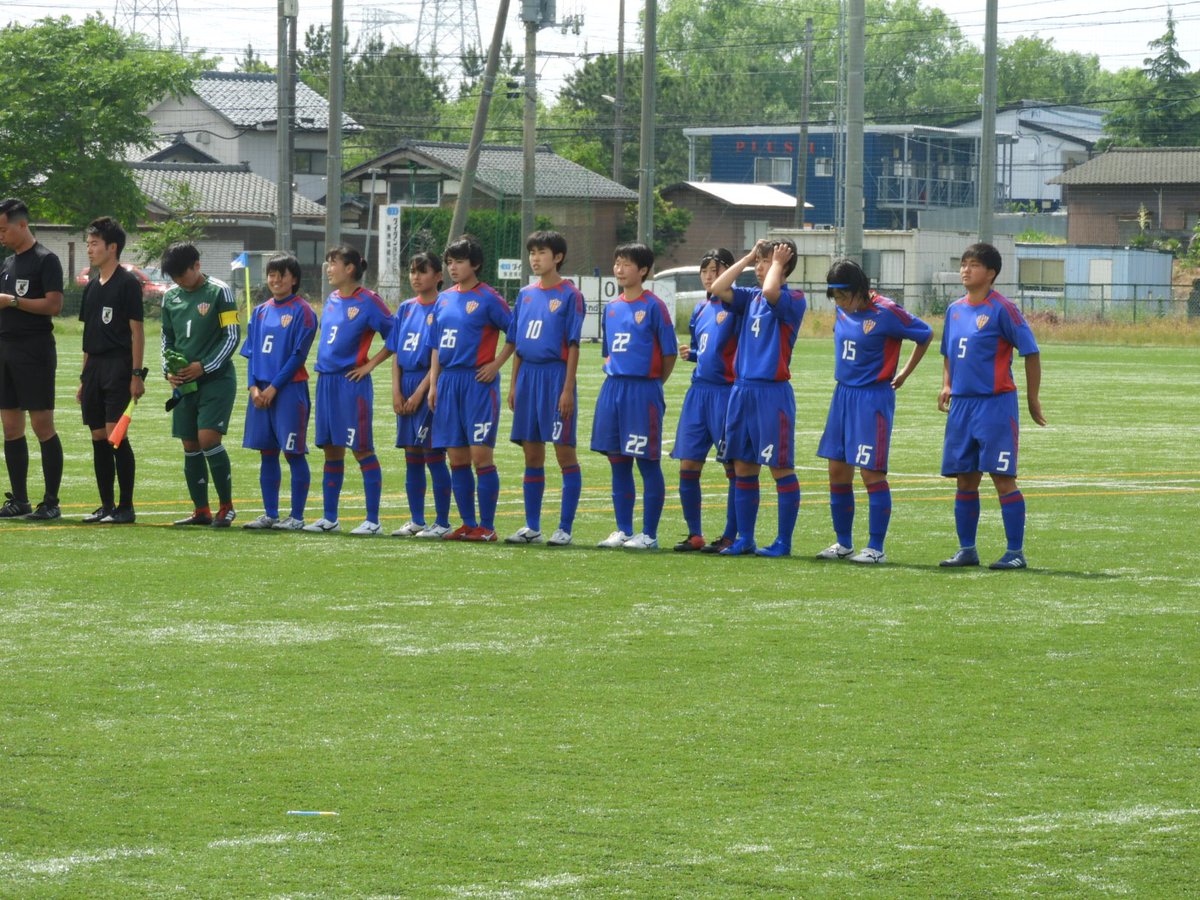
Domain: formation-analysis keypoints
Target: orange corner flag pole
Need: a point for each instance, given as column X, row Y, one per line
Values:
column 118, row 433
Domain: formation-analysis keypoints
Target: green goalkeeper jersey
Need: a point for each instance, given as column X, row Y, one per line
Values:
column 202, row 325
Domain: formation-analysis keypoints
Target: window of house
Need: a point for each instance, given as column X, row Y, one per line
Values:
column 773, row 170
column 823, row 166
column 414, row 192
column 1041, row 274
column 309, row 162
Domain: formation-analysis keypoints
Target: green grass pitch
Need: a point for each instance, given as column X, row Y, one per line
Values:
column 501, row 722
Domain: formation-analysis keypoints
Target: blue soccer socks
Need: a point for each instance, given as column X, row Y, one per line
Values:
column 787, row 490
column 301, row 480
column 966, row 517
column 879, row 499
column 439, row 473
column 690, row 498
column 572, row 489
column 462, row 482
column 414, row 485
column 624, row 491
column 841, row 509
column 746, row 502
column 730, row 504
column 270, row 475
column 489, row 496
column 534, row 489
column 654, row 494
column 331, row 487
column 1012, row 511
column 372, row 476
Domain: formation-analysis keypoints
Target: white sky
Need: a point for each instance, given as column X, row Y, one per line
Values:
column 1116, row 30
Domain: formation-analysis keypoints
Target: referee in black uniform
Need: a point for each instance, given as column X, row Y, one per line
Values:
column 31, row 294
column 113, row 345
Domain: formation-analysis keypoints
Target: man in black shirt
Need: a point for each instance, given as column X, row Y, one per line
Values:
column 113, row 346
column 31, row 293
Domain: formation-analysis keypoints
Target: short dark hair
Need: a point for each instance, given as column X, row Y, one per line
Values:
column 426, row 262
column 638, row 254
column 783, row 242
column 349, row 256
column 14, row 209
column 850, row 275
column 719, row 255
column 465, row 247
column 178, row 258
column 108, row 230
column 986, row 254
column 285, row 264
column 548, row 240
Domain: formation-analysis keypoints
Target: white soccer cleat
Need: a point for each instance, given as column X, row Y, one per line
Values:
column 291, row 523
column 367, row 529
column 323, row 526
column 641, row 542
column 560, row 538
column 412, row 529
column 615, row 540
column 433, row 532
column 869, row 555
column 836, row 551
column 262, row 523
column 524, row 535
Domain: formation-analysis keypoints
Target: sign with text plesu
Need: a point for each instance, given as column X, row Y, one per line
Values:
column 508, row 269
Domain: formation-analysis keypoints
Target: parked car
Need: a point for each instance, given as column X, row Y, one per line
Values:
column 154, row 282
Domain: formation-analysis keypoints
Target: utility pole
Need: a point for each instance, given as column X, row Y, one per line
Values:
column 987, row 131
column 529, row 143
column 802, row 155
column 485, row 100
column 855, row 115
column 288, row 11
column 646, row 165
column 333, row 156
column 619, row 105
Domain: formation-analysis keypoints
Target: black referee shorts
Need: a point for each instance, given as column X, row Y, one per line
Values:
column 105, row 392
column 27, row 367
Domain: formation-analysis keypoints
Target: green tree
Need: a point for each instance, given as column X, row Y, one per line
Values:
column 76, row 100
column 670, row 224
column 183, row 224
column 390, row 92
column 1030, row 68
column 1158, row 106
column 251, row 62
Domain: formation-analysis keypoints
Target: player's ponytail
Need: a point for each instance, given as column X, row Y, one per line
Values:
column 348, row 256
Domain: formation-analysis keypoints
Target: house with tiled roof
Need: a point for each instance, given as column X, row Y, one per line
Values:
column 1110, row 197
column 231, row 118
column 585, row 206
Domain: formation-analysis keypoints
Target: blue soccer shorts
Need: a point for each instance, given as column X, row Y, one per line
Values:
column 283, row 425
column 629, row 415
column 415, row 429
column 345, row 413
column 760, row 426
column 535, row 416
column 982, row 435
column 468, row 411
column 702, row 421
column 858, row 429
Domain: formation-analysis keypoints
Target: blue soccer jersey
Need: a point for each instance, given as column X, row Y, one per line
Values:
column 278, row 337
column 466, row 326
column 637, row 335
column 867, row 343
column 766, row 333
column 714, row 331
column 978, row 342
column 546, row 322
column 409, row 339
column 348, row 325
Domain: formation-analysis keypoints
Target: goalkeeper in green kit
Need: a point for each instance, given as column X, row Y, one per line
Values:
column 199, row 336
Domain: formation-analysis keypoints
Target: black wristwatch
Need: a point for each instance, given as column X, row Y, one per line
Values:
column 141, row 373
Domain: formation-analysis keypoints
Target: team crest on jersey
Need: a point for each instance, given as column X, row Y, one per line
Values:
column 352, row 312
column 22, row 287
column 554, row 305
column 429, row 318
column 472, row 305
column 203, row 308
column 980, row 321
column 868, row 326
column 722, row 316
column 106, row 314
column 639, row 315
column 285, row 321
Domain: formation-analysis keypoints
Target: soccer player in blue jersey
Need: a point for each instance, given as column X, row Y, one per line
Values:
column 858, row 431
column 351, row 318
column 760, row 424
column 410, row 387
column 464, row 386
column 978, row 392
column 639, row 353
column 278, row 337
column 714, row 331
column 546, row 328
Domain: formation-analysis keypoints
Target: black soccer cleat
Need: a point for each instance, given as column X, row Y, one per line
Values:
column 14, row 508
column 46, row 511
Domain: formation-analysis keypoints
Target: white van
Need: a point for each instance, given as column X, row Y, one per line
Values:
column 680, row 289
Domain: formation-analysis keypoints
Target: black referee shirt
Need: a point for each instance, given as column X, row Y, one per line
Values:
column 34, row 273
column 107, row 310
